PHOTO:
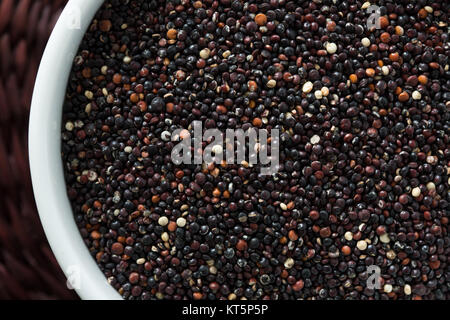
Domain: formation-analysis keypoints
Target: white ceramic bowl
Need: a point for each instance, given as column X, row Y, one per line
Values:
column 45, row 153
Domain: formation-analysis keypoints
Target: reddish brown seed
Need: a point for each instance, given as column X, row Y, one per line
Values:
column 325, row 232
column 385, row 37
column 314, row 214
column 172, row 34
column 252, row 85
column 423, row 79
column 422, row 13
column 434, row 65
column 292, row 235
column 261, row 19
column 403, row 96
column 172, row 226
column 412, row 81
column 201, row 63
column 298, row 285
column 381, row 230
column 117, row 248
column 142, row 106
column 86, row 73
column 394, row 56
column 133, row 278
column 180, row 75
column 95, row 235
column 435, row 264
column 134, row 98
column 197, row 295
column 353, row 78
column 257, row 122
column 241, row 245
column 403, row 199
column 331, row 25
column 370, row 72
column 117, row 78
column 346, row 250
column 197, row 4
column 105, row 25
column 384, row 22
column 214, row 286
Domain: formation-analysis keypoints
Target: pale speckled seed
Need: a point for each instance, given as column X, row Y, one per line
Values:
column 416, row 95
column 361, row 245
column 385, row 238
column 307, row 87
column 271, row 83
column 163, row 221
column 365, row 42
column 204, row 53
column 407, row 289
column 318, row 94
column 331, row 47
column 415, row 192
column 289, row 263
column 315, row 139
column 181, row 222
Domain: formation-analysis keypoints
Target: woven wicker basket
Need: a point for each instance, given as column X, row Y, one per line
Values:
column 28, row 269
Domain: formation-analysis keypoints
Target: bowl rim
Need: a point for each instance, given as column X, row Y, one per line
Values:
column 44, row 148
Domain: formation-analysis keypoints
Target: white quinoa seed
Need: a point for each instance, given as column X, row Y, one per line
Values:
column 204, row 53
column 181, row 222
column 88, row 94
column 226, row 54
column 365, row 42
column 361, row 245
column 271, row 83
column 385, row 238
column 387, row 288
column 318, row 94
column 307, row 87
column 391, row 254
column 289, row 263
column 69, row 126
column 416, row 95
column 407, row 289
column 331, row 47
column 128, row 149
column 415, row 192
column 315, row 139
column 365, row 5
column 165, row 135
column 348, row 236
column 163, row 221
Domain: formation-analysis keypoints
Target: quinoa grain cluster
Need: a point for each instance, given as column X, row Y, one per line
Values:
column 364, row 148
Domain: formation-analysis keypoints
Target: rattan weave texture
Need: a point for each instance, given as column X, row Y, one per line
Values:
column 28, row 269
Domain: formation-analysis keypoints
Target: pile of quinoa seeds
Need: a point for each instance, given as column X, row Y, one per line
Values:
column 359, row 208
